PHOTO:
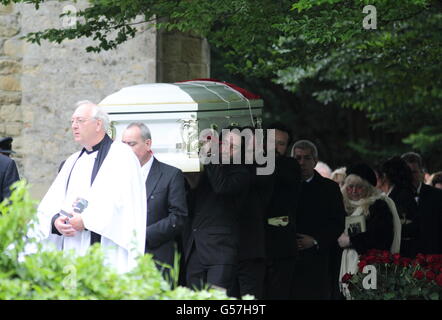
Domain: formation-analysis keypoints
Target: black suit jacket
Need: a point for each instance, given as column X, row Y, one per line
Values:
column 320, row 214
column 321, row 211
column 405, row 203
column 213, row 230
column 252, row 220
column 407, row 209
column 8, row 175
column 430, row 221
column 166, row 210
column 281, row 240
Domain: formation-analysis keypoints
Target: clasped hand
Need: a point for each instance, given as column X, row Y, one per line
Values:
column 344, row 241
column 69, row 226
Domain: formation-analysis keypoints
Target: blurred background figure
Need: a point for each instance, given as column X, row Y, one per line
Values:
column 429, row 203
column 396, row 180
column 8, row 175
column 6, row 146
column 436, row 181
column 427, row 176
column 8, row 168
column 339, row 175
column 323, row 169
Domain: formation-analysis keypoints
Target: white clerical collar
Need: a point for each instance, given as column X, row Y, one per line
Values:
column 310, row 179
column 86, row 153
column 146, row 168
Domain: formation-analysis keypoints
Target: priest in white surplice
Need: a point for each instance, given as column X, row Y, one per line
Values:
column 108, row 175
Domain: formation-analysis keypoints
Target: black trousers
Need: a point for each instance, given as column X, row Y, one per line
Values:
column 335, row 268
column 312, row 276
column 279, row 278
column 199, row 275
column 249, row 278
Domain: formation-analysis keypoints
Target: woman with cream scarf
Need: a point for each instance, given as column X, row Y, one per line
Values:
column 382, row 224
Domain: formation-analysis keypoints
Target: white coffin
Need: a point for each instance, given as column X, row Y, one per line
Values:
column 177, row 112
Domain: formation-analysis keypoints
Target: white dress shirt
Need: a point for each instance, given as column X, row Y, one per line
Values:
column 146, row 168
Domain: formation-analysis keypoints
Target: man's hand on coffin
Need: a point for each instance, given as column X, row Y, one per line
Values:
column 77, row 221
column 64, row 227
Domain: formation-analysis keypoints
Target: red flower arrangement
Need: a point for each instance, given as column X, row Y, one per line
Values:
column 397, row 278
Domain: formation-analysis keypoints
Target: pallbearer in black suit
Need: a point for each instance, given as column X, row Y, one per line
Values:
column 211, row 240
column 166, row 196
column 436, row 181
column 251, row 267
column 429, row 203
column 280, row 219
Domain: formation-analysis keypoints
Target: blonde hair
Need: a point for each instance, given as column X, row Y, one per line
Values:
column 372, row 194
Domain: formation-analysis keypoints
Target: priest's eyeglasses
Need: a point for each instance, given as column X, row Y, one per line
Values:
column 79, row 120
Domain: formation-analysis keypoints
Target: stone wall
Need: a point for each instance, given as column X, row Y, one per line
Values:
column 39, row 85
column 181, row 57
column 11, row 123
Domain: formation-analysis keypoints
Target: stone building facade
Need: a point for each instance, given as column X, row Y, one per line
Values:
column 39, row 85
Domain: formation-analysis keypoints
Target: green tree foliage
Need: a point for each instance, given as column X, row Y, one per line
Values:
column 62, row 275
column 392, row 73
